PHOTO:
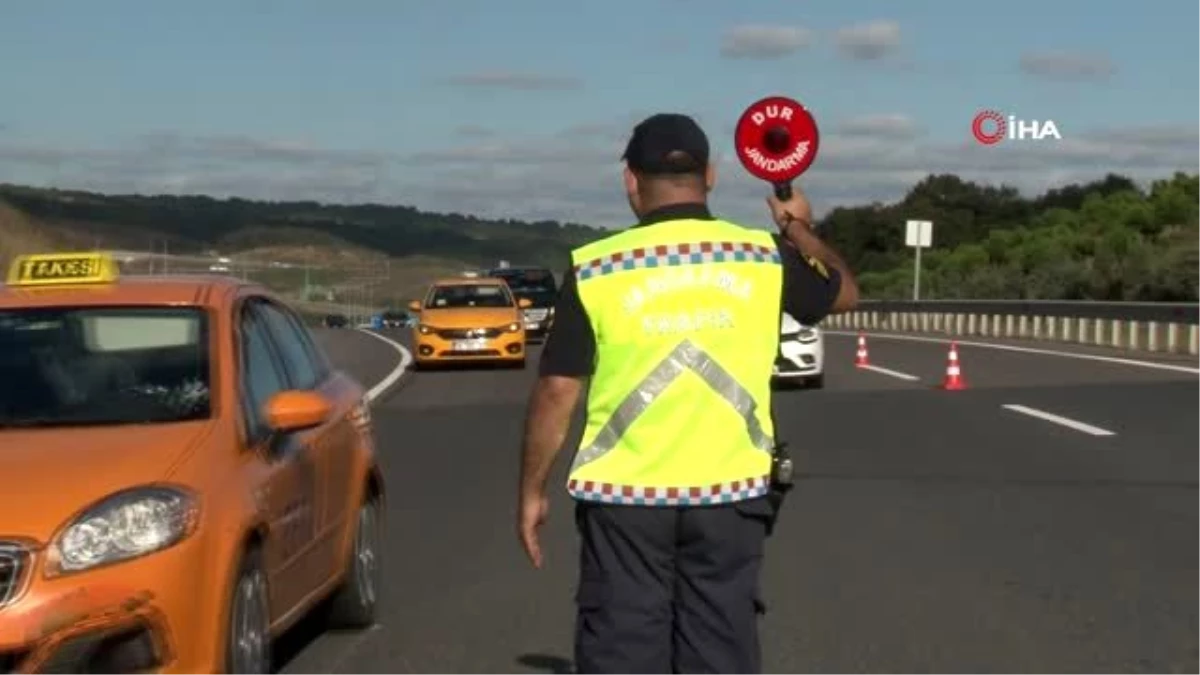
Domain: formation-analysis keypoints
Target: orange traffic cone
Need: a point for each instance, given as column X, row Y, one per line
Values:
column 860, row 356
column 954, row 379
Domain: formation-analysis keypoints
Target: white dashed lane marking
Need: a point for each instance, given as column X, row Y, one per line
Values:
column 1059, row 419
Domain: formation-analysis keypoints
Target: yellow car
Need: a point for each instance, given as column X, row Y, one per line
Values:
column 473, row 319
column 185, row 474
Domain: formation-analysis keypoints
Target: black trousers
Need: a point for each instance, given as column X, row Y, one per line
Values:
column 670, row 589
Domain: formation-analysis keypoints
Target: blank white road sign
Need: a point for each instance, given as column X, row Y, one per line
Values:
column 919, row 233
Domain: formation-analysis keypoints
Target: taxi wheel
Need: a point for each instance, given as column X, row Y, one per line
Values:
column 249, row 648
column 353, row 604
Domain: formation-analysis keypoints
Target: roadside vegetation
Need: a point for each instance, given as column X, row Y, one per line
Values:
column 1103, row 240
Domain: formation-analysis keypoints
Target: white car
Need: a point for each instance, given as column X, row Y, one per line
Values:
column 801, row 358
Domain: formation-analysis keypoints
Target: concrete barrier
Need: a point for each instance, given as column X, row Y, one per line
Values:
column 1135, row 326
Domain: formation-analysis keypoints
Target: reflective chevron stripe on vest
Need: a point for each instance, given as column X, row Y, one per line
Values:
column 686, row 356
column 686, row 316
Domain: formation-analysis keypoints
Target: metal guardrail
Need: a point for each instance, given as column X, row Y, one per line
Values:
column 1135, row 326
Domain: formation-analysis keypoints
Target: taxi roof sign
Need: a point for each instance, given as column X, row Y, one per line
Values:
column 61, row 269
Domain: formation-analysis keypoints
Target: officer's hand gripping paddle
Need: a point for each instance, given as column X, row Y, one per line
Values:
column 777, row 140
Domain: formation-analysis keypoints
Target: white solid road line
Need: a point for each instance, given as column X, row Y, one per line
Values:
column 397, row 372
column 1026, row 350
column 1058, row 419
column 894, row 373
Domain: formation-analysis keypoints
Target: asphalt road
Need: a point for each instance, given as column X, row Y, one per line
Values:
column 933, row 531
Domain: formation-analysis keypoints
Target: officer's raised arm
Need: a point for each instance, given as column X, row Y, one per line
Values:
column 817, row 281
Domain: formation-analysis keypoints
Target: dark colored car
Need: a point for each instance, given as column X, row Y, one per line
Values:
column 537, row 285
column 335, row 321
column 393, row 319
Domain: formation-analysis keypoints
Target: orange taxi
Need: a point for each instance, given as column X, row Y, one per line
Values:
column 185, row 474
column 471, row 319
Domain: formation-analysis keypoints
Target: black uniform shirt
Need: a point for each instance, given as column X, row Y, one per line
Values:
column 809, row 290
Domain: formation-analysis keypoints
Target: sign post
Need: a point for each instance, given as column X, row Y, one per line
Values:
column 918, row 235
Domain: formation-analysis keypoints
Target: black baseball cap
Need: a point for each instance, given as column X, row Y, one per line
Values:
column 667, row 143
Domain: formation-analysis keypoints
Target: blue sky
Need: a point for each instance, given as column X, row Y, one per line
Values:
column 520, row 108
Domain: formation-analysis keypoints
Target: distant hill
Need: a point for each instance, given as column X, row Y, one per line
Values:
column 370, row 256
column 192, row 224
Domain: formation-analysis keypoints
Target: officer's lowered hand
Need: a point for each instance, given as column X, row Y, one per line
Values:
column 532, row 513
column 795, row 209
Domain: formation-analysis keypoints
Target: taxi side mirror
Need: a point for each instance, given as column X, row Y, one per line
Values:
column 414, row 305
column 291, row 411
column 524, row 303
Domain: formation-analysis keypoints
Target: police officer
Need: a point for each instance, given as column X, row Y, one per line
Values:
column 676, row 321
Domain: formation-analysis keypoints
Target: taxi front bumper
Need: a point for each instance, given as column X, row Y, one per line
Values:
column 454, row 346
column 125, row 617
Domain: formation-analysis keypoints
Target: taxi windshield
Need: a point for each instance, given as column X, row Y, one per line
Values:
column 103, row 365
column 469, row 295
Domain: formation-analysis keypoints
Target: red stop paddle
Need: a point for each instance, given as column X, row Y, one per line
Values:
column 777, row 140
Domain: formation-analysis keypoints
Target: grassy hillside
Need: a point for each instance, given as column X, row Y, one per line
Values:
column 364, row 254
column 196, row 223
column 18, row 234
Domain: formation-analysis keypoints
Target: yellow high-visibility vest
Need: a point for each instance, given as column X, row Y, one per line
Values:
column 686, row 317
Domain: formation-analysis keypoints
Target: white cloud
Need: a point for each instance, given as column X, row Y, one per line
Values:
column 474, row 131
column 874, row 157
column 885, row 125
column 874, row 41
column 764, row 42
column 868, row 41
column 574, row 173
column 501, row 79
column 597, row 131
column 170, row 163
column 1163, row 137
column 534, row 151
column 1067, row 65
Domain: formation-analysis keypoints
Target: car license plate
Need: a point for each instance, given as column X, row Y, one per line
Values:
column 468, row 345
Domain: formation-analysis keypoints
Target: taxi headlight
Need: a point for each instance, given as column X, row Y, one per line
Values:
column 513, row 327
column 123, row 526
column 424, row 330
column 807, row 335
